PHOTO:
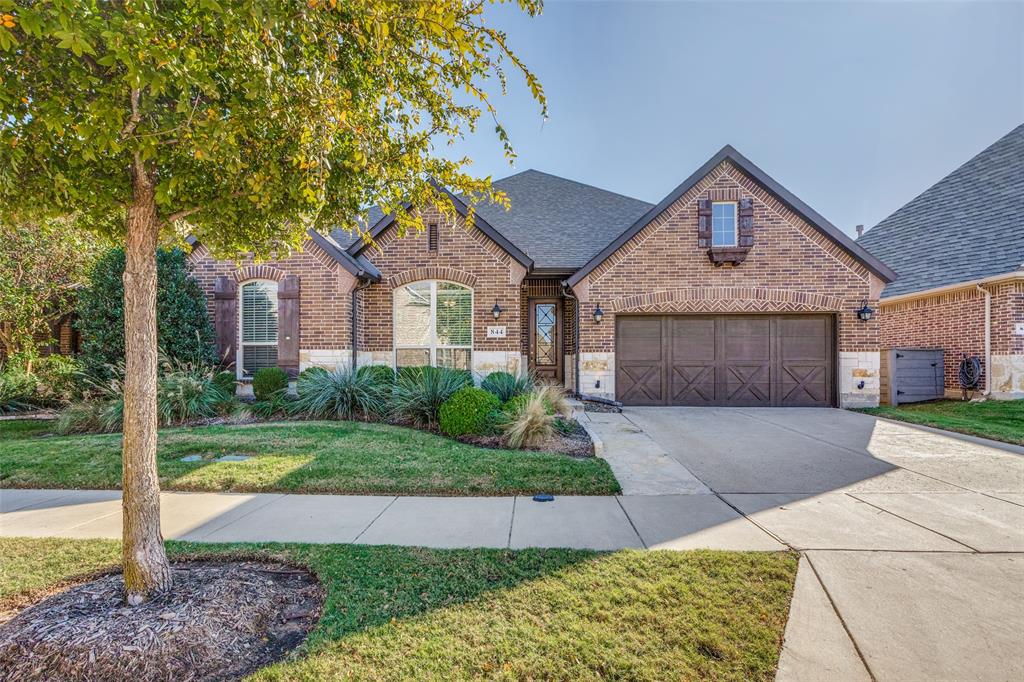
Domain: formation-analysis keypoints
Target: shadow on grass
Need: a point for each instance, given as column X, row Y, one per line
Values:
column 414, row 613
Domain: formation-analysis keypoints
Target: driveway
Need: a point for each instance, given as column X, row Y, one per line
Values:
column 912, row 539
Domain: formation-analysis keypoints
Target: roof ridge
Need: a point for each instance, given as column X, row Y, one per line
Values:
column 576, row 182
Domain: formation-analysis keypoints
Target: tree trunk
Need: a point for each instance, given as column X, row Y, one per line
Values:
column 146, row 570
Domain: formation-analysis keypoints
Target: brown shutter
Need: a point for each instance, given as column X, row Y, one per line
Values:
column 288, row 325
column 746, row 226
column 225, row 316
column 704, row 224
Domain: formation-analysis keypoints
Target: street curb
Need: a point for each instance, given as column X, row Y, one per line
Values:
column 583, row 420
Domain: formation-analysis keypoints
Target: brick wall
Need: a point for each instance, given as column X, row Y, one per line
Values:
column 955, row 322
column 465, row 256
column 324, row 293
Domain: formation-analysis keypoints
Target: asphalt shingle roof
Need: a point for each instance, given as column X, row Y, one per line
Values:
column 557, row 222
column 967, row 226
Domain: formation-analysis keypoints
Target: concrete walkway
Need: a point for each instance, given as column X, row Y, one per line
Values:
column 585, row 522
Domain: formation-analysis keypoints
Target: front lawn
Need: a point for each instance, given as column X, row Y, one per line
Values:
column 396, row 613
column 996, row 419
column 299, row 457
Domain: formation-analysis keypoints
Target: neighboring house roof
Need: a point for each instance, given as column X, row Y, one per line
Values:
column 967, row 226
column 727, row 153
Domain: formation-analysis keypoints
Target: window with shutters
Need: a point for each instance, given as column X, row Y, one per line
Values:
column 433, row 324
column 257, row 317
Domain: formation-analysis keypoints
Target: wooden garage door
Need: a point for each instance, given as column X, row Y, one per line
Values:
column 734, row 360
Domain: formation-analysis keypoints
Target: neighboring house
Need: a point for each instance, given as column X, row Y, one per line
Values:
column 730, row 291
column 958, row 250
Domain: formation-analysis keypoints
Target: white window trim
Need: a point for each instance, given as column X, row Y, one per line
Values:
column 735, row 224
column 434, row 346
column 240, row 351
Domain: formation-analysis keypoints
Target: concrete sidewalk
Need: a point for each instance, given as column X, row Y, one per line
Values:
column 585, row 522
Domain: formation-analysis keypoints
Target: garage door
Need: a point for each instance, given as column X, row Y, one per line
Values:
column 733, row 360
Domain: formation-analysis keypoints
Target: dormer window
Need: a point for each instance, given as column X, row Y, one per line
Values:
column 723, row 224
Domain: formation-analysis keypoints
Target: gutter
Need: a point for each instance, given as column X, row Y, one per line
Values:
column 988, row 340
column 928, row 293
column 567, row 292
column 364, row 282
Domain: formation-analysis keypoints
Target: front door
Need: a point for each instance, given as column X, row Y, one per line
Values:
column 546, row 339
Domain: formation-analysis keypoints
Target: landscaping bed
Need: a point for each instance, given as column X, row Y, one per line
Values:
column 301, row 457
column 394, row 613
column 996, row 419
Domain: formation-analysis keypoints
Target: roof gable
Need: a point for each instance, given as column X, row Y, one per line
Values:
column 727, row 153
column 965, row 227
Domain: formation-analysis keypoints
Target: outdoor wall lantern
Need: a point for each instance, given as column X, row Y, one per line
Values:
column 496, row 310
column 598, row 313
column 865, row 312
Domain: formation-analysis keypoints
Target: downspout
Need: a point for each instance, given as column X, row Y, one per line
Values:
column 363, row 283
column 988, row 339
column 567, row 292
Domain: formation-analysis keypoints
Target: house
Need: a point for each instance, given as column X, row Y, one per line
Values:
column 729, row 291
column 958, row 249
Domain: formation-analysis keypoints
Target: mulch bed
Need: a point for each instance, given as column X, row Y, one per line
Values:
column 595, row 406
column 221, row 620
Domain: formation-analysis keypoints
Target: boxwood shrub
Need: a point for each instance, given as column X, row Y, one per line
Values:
column 268, row 382
column 469, row 411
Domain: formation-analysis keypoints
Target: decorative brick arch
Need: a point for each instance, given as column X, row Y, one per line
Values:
column 727, row 300
column 417, row 274
column 261, row 271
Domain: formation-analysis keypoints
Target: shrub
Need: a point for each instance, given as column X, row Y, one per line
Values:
column 279, row 404
column 529, row 419
column 184, row 331
column 17, row 391
column 506, row 386
column 310, row 371
column 226, row 382
column 269, row 381
column 469, row 411
column 421, row 391
column 380, row 375
column 59, row 380
column 340, row 394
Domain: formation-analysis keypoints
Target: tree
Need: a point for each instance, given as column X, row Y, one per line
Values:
column 41, row 264
column 254, row 121
column 183, row 328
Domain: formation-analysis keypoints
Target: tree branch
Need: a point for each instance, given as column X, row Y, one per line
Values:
column 133, row 121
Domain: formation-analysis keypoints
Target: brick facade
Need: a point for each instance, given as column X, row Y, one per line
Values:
column 955, row 321
column 790, row 268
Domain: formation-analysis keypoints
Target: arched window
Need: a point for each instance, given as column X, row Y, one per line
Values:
column 433, row 325
column 257, row 318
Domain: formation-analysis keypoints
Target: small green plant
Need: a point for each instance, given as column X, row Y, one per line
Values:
column 506, row 386
column 421, row 391
column 469, row 411
column 17, row 391
column 59, row 380
column 277, row 406
column 340, row 394
column 269, row 381
column 381, row 375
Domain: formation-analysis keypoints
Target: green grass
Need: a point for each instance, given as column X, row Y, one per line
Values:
column 11, row 429
column 996, row 419
column 396, row 613
column 310, row 457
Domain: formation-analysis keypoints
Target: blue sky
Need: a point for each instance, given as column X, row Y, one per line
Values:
column 854, row 107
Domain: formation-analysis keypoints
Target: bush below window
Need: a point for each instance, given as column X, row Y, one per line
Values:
column 470, row 411
column 268, row 382
column 421, row 391
column 506, row 386
column 339, row 394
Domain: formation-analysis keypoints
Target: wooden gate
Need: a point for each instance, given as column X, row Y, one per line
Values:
column 915, row 375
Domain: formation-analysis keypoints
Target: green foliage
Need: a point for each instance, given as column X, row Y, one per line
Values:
column 506, row 386
column 17, row 391
column 226, row 382
column 268, row 382
column 310, row 371
column 469, row 411
column 380, row 375
column 184, row 331
column 341, row 394
column 41, row 263
column 276, row 406
column 421, row 391
column 255, row 120
column 59, row 380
